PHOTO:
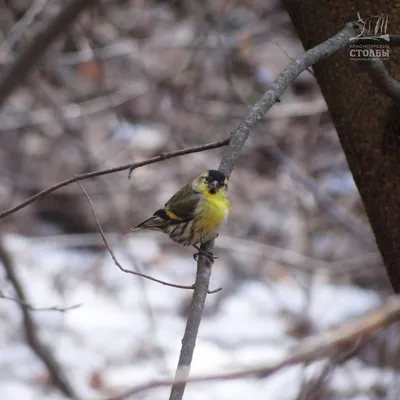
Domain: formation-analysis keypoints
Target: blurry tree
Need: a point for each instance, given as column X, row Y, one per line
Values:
column 367, row 120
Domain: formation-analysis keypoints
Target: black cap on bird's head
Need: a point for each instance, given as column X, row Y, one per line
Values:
column 215, row 180
column 216, row 175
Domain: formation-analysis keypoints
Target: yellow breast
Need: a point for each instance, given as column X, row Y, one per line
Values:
column 212, row 213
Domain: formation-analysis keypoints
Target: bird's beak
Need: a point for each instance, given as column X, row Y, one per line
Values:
column 213, row 186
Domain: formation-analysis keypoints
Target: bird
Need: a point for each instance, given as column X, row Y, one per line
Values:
column 195, row 213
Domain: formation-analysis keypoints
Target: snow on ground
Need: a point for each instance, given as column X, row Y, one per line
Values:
column 128, row 330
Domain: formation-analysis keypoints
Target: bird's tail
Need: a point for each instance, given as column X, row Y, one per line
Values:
column 154, row 223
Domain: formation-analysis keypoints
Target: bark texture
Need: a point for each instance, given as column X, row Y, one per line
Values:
column 367, row 121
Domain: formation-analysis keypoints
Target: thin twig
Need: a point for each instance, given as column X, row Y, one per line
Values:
column 40, row 349
column 354, row 265
column 33, row 308
column 324, row 345
column 278, row 45
column 375, row 68
column 17, row 72
column 380, row 77
column 237, row 141
column 116, row 262
column 20, row 26
column 131, row 167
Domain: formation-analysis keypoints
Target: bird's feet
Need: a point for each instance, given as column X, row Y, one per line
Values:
column 207, row 254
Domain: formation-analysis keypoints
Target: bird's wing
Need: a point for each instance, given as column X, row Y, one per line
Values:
column 182, row 205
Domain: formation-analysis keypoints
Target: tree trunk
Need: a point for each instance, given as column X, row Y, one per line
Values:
column 367, row 121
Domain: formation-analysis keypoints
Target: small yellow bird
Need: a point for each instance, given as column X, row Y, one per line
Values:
column 194, row 214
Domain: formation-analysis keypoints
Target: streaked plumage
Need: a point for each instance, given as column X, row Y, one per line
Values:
column 194, row 214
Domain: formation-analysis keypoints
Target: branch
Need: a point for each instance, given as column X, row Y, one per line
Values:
column 236, row 143
column 17, row 72
column 381, row 79
column 131, row 167
column 325, row 345
column 376, row 68
column 43, row 352
column 29, row 306
column 278, row 87
column 394, row 40
column 201, row 285
column 128, row 271
column 21, row 25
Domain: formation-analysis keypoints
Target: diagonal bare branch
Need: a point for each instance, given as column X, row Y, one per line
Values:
column 17, row 72
column 20, row 26
column 40, row 349
column 382, row 80
column 325, row 345
column 237, row 140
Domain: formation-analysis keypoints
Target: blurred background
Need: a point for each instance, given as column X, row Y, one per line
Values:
column 130, row 80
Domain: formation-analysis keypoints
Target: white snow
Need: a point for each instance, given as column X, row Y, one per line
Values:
column 128, row 330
